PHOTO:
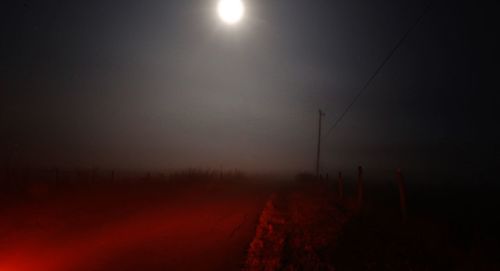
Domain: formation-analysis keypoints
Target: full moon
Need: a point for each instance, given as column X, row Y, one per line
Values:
column 231, row 11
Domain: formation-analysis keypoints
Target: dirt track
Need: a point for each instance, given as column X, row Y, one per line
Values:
column 192, row 229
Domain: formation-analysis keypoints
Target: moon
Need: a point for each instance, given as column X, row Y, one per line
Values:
column 231, row 11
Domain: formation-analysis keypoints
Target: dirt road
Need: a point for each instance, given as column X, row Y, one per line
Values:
column 192, row 229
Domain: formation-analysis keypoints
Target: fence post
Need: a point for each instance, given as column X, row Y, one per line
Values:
column 402, row 193
column 93, row 175
column 56, row 174
column 360, row 186
column 340, row 186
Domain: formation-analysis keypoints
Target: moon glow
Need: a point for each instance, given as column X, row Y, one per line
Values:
column 230, row 11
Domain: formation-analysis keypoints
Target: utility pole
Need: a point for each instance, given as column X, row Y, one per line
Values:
column 321, row 114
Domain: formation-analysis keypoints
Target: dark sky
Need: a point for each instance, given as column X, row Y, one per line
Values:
column 164, row 84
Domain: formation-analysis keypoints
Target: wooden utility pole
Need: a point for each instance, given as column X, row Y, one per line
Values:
column 360, row 186
column 340, row 186
column 402, row 193
column 321, row 114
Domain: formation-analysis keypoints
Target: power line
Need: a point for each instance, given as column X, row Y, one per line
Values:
column 379, row 68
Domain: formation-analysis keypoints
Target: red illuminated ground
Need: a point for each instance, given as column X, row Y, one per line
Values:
column 194, row 227
column 223, row 225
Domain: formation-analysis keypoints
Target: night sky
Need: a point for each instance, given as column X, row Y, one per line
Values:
column 166, row 85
